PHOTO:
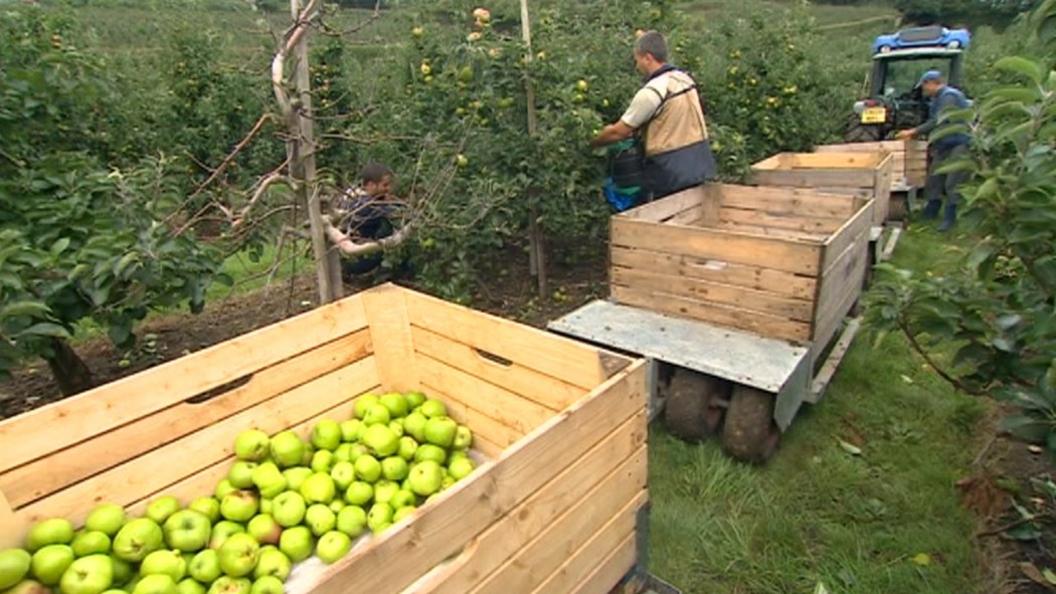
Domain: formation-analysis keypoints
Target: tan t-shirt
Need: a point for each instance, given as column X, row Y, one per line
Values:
column 645, row 102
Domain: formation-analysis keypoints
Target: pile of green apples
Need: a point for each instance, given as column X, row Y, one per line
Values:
column 283, row 500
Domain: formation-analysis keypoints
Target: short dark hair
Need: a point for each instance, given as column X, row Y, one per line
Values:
column 374, row 172
column 652, row 42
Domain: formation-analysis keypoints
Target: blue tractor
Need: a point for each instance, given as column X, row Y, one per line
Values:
column 894, row 102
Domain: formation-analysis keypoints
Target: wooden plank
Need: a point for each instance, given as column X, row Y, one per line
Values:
column 51, row 473
column 762, row 324
column 442, row 528
column 189, row 454
column 709, row 292
column 203, row 483
column 781, row 254
column 804, row 202
column 567, row 360
column 753, row 277
column 667, row 207
column 390, row 330
column 518, row 413
column 832, row 362
column 814, row 178
column 617, row 463
column 851, row 231
column 542, row 565
column 78, row 418
column 850, row 160
column 610, row 571
column 489, row 436
column 892, row 242
column 538, row 387
column 849, row 268
column 780, row 221
column 760, row 231
column 828, row 322
column 12, row 526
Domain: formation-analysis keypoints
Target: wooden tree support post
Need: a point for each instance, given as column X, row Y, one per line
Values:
column 536, row 237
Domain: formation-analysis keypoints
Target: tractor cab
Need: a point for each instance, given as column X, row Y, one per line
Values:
column 894, row 102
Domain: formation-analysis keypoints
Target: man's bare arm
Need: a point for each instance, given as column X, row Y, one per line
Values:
column 612, row 133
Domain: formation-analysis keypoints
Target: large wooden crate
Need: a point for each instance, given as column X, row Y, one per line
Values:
column 867, row 175
column 779, row 262
column 910, row 166
column 563, row 426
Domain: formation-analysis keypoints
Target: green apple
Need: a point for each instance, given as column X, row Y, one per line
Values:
column 229, row 585
column 123, row 570
column 426, row 478
column 384, row 491
column 110, row 591
column 402, row 513
column 408, row 446
column 357, row 451
column 352, row 520
column 287, row 449
column 394, row 468
column 343, row 474
column 269, row 480
column 205, row 567
column 428, row 451
column 377, row 414
column 14, row 565
column 274, row 563
column 359, row 493
column 441, row 431
column 223, row 488
column 161, row 508
column 264, row 529
column 207, row 506
column 332, row 546
column 29, row 587
column 368, row 468
column 296, row 543
column 170, row 563
column 239, row 506
column 288, row 509
column 326, row 435
column 241, row 474
column 343, row 453
column 433, row 408
column 189, row 586
column 266, row 505
column 266, row 585
column 382, row 440
column 50, row 562
column 106, row 518
column 137, row 539
column 296, row 476
column 397, row 427
column 238, row 555
column 403, row 498
column 322, row 460
column 90, row 543
column 463, row 438
column 350, row 430
column 320, row 519
column 49, row 532
column 447, row 482
column 414, row 425
column 379, row 515
column 222, row 531
column 156, row 584
column 396, row 403
column 252, row 445
column 309, row 453
column 363, row 404
column 187, row 530
column 414, row 399
column 460, row 468
column 88, row 575
column 318, row 488
column 337, row 505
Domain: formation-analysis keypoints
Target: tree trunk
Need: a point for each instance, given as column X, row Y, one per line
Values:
column 536, row 238
column 70, row 371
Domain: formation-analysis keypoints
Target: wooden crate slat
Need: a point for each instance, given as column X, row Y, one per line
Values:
column 610, row 571
column 619, row 462
column 812, row 178
column 749, row 299
column 753, row 277
column 60, row 469
column 201, row 449
column 564, row 359
column 387, row 316
column 828, row 321
column 761, row 231
column 779, row 221
column 78, row 418
column 781, row 254
column 851, row 231
column 673, row 205
column 538, row 387
column 806, row 203
column 490, row 436
column 442, row 528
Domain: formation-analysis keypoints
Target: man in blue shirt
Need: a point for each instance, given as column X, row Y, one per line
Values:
column 944, row 149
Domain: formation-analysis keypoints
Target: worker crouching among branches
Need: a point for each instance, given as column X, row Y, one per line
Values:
column 367, row 212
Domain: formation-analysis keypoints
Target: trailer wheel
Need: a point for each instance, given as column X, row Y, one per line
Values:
column 750, row 433
column 694, row 408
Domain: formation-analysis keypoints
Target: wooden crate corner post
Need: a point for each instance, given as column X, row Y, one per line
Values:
column 390, row 331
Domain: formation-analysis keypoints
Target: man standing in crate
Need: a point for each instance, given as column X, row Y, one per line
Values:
column 667, row 118
column 946, row 148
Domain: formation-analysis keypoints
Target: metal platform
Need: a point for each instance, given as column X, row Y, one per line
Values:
column 774, row 366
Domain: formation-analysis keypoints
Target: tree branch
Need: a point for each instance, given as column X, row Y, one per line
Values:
column 231, row 157
column 956, row 383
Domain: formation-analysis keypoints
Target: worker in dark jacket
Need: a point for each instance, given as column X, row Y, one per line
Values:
column 667, row 116
column 942, row 150
column 366, row 212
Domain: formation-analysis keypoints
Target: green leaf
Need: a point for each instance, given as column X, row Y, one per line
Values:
column 1025, row 427
column 25, row 308
column 1015, row 94
column 60, row 246
column 46, row 329
column 1022, row 66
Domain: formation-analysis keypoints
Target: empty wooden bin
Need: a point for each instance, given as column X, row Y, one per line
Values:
column 867, row 175
column 780, row 262
column 910, row 166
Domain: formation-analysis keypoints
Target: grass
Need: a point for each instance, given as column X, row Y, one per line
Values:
column 819, row 514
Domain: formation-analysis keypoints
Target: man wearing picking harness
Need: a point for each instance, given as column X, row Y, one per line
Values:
column 667, row 115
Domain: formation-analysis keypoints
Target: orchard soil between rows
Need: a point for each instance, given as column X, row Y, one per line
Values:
column 1004, row 466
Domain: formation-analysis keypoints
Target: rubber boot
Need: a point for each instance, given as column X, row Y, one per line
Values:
column 949, row 218
column 931, row 209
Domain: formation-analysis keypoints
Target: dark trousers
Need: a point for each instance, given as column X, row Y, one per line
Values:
column 945, row 184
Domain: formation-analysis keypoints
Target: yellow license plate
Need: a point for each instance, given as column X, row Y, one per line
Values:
column 874, row 115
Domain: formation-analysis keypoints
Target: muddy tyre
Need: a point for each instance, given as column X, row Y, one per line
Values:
column 694, row 405
column 750, row 433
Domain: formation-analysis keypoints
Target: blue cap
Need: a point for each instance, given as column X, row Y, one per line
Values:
column 928, row 76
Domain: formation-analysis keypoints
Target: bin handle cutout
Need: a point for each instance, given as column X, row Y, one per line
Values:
column 220, row 390
column 493, row 358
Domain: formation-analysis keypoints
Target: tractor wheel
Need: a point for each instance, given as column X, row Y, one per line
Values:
column 750, row 433
column 858, row 132
column 694, row 405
